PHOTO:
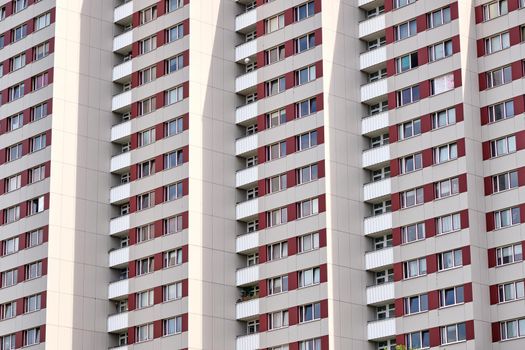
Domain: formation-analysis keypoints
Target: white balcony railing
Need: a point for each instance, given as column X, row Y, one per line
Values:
column 119, row 224
column 374, row 123
column 379, row 258
column 363, row 2
column 119, row 257
column 376, row 156
column 247, row 209
column 378, row 223
column 118, row 289
column 246, row 112
column 119, row 193
column 123, row 40
column 120, row 131
column 245, row 20
column 247, row 241
column 246, row 176
column 248, row 342
column 123, row 11
column 245, row 50
column 377, row 189
column 372, row 58
column 247, row 309
column 121, row 100
column 246, row 144
column 120, row 161
column 380, row 294
column 382, row 329
column 246, row 81
column 122, row 70
column 247, row 275
column 372, row 25
column 123, row 347
column 118, row 322
column 374, row 90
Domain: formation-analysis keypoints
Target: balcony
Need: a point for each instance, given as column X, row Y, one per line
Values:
column 377, row 190
column 375, row 156
column 378, row 223
column 248, row 49
column 364, row 2
column 123, row 11
column 123, row 347
column 118, row 289
column 379, row 259
column 247, row 242
column 374, row 123
column 119, row 224
column 380, row 294
column 372, row 58
column 248, row 342
column 247, row 209
column 120, row 193
column 245, row 81
column 118, row 322
column 122, row 43
column 121, row 100
column 374, row 90
column 247, row 275
column 120, row 131
column 383, row 329
column 119, row 257
column 246, row 112
column 246, row 176
column 245, row 20
column 371, row 26
column 247, row 309
column 246, row 144
column 122, row 70
column 120, row 161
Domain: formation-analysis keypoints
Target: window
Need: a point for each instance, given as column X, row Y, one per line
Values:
column 495, row 9
column 307, row 208
column 305, row 75
column 451, row 296
column 147, row 75
column 12, row 214
column 277, row 217
column 38, row 142
column 504, row 181
column 175, row 33
column 308, row 242
column 439, row 17
column 278, row 319
column 307, row 140
column 34, row 238
column 503, row 146
column 506, row 217
column 378, row 141
column 405, row 30
column 173, row 159
column 415, row 268
column 276, row 151
column 144, row 332
column 500, row 111
column 401, row 3
column 148, row 14
column 275, row 54
column 499, row 76
column 445, row 153
column 144, row 266
column 381, row 208
column 385, row 276
column 172, row 5
column 2, row 13
column 304, row 43
column 32, row 336
column 409, row 129
column 19, row 32
column 2, row 41
column 412, row 197
column 36, row 205
column 307, row 174
column 275, row 86
column 15, row 122
column 174, row 64
column 453, row 333
column 406, row 62
column 39, row 111
column 145, row 201
column 309, row 277
column 274, row 23
column 277, row 285
column 19, row 5
column 412, row 233
column 172, row 326
column 146, row 168
column 380, row 174
column 509, row 254
column 172, row 291
column 145, row 299
column 408, row 95
column 148, row 44
column 304, row 11
column 174, row 95
column 9, row 278
column 309, row 312
column 145, row 233
column 442, row 84
column 13, row 183
column 411, row 163
column 18, row 61
column 448, row 223
column 311, row 344
column 382, row 242
column 306, row 107
column 147, row 106
column 440, row 50
column 443, row 118
column 173, row 224
column 447, row 187
column 8, row 310
column 39, row 81
column 16, row 92
column 174, row 127
column 450, row 259
column 386, row 345
column 275, row 118
column 418, row 340
column 42, row 21
column 376, row 43
column 172, row 258
column 10, row 246
column 41, row 51
column 146, row 137
column 416, row 304
column 497, row 43
column 8, row 342
column 511, row 291
column 33, row 270
column 376, row 75
column 276, row 183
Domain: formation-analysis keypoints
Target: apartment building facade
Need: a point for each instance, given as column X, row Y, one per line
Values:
column 269, row 174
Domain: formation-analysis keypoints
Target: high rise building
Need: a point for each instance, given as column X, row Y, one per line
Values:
column 262, row 175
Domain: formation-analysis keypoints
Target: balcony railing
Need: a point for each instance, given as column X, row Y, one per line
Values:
column 118, row 289
column 123, row 40
column 120, row 161
column 247, row 209
column 378, row 223
column 246, row 144
column 118, row 322
column 382, row 329
column 377, row 189
column 376, row 156
column 380, row 293
column 245, row 50
column 379, row 258
column 247, row 309
column 247, row 275
column 120, row 193
column 121, row 100
column 119, row 224
column 245, row 20
column 123, row 11
column 247, row 242
column 246, row 176
column 372, row 25
column 119, row 257
column 122, row 70
column 374, row 123
column 248, row 342
column 120, row 131
column 246, row 81
column 246, row 112
column 374, row 90
column 373, row 57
